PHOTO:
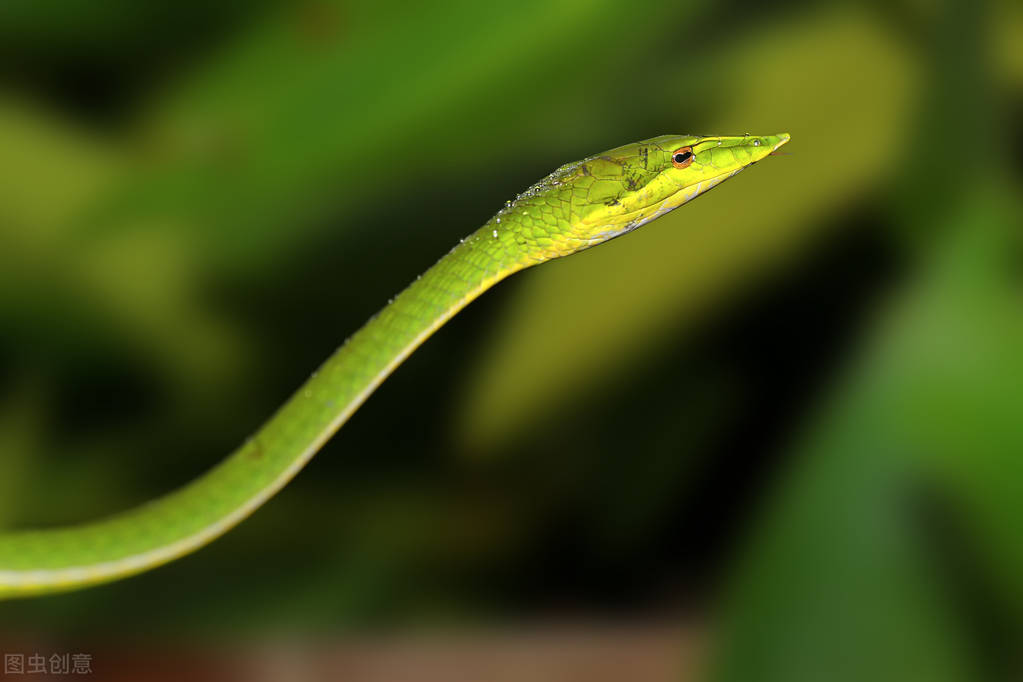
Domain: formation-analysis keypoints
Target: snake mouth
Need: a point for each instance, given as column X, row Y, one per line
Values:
column 713, row 181
column 783, row 139
column 644, row 216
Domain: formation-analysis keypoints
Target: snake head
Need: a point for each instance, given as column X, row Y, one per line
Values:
column 639, row 182
column 588, row 202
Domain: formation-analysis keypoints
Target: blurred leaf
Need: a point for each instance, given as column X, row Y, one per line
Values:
column 1007, row 32
column 844, row 580
column 132, row 292
column 329, row 108
column 21, row 420
column 50, row 171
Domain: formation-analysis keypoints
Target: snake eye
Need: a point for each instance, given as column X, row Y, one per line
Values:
column 682, row 157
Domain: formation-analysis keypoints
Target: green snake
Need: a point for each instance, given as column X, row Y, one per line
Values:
column 579, row 205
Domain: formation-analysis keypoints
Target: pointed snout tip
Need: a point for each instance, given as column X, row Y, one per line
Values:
column 779, row 140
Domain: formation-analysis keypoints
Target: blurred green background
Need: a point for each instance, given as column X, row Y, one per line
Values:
column 790, row 413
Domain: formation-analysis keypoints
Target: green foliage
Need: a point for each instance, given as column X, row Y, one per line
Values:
column 796, row 401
